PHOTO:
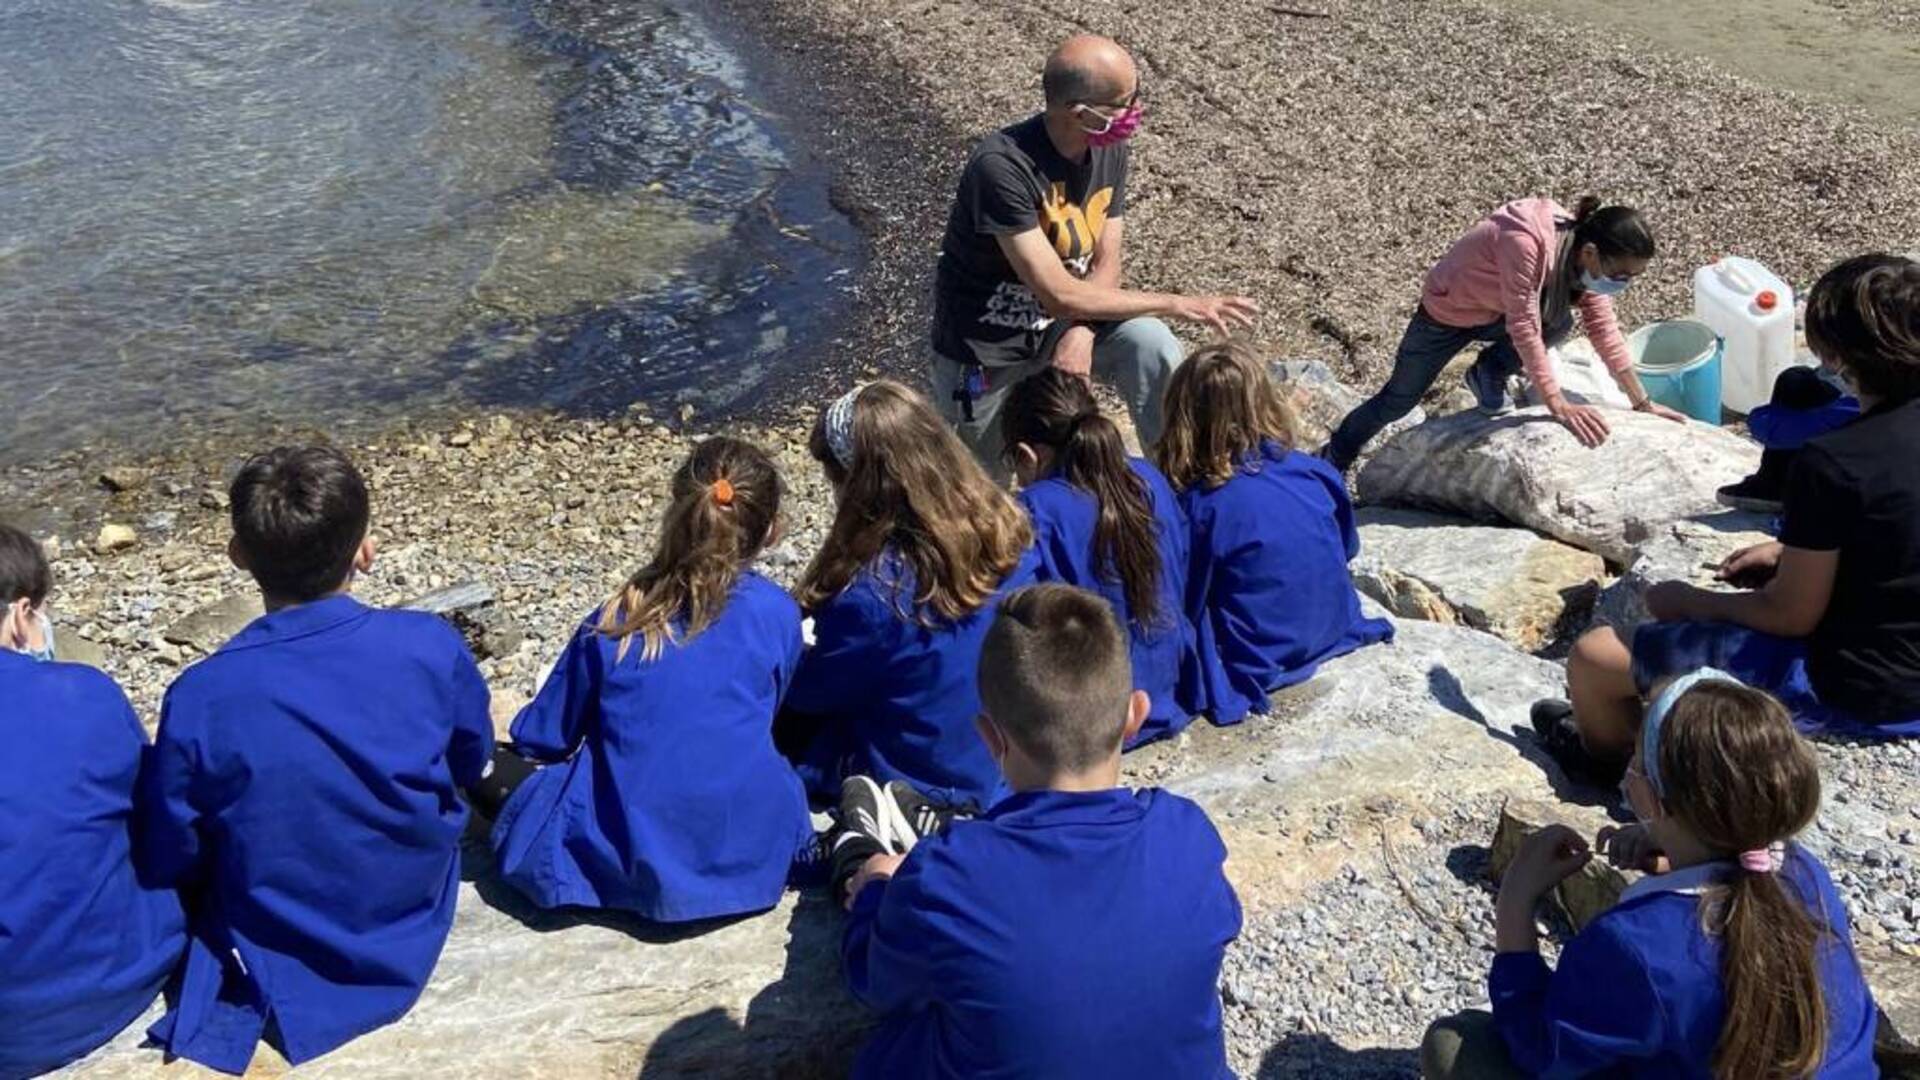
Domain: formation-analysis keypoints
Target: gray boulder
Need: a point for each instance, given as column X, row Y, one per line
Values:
column 1513, row 583
column 1320, row 401
column 1689, row 551
column 1525, row 468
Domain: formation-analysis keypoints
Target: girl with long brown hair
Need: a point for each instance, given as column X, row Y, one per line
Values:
column 660, row 791
column 922, row 546
column 1111, row 524
column 1272, row 532
column 1731, row 959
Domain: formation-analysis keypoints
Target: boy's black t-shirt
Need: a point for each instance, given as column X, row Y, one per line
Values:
column 1016, row 180
column 1857, row 491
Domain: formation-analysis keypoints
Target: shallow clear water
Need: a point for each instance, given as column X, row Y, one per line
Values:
column 241, row 213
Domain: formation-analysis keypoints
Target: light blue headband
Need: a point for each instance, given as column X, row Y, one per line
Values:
column 1657, row 719
column 839, row 427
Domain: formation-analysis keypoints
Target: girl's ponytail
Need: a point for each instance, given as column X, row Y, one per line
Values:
column 726, row 497
column 1056, row 410
column 1743, row 780
column 1618, row 232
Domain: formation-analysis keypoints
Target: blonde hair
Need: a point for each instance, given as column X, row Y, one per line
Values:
column 913, row 488
column 726, row 498
column 1221, row 406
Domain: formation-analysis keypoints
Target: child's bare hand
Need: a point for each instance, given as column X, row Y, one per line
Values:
column 1631, row 848
column 876, row 868
column 1547, row 858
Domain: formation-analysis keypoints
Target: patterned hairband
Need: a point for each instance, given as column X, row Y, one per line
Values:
column 1657, row 720
column 839, row 427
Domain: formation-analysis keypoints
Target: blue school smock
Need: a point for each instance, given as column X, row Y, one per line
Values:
column 667, row 798
column 1269, row 593
column 85, row 945
column 899, row 693
column 304, row 792
column 1064, row 934
column 1166, row 661
column 1639, row 989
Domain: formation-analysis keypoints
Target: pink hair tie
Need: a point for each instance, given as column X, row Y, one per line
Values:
column 1764, row 860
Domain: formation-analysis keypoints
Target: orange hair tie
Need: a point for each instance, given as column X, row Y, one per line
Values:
column 723, row 492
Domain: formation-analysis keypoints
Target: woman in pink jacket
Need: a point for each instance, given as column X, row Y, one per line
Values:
column 1513, row 281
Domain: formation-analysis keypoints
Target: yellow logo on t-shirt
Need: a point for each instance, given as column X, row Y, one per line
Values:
column 1073, row 229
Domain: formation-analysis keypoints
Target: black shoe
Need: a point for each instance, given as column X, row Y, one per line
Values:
column 1765, row 490
column 866, row 811
column 848, row 851
column 915, row 815
column 1559, row 736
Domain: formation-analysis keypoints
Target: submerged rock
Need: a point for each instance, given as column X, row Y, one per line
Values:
column 209, row 628
column 1509, row 582
column 1525, row 468
column 115, row 538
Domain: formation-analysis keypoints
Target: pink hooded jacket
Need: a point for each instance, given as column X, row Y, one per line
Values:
column 1496, row 271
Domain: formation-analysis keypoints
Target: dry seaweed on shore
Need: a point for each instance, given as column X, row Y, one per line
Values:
column 1323, row 164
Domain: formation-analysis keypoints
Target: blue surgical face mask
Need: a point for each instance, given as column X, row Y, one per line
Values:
column 45, row 651
column 1602, row 286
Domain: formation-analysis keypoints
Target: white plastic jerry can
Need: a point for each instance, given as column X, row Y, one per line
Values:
column 1752, row 311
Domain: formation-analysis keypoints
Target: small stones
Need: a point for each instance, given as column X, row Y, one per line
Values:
column 114, row 539
column 121, row 478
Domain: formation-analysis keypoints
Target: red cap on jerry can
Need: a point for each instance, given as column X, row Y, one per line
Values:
column 1767, row 300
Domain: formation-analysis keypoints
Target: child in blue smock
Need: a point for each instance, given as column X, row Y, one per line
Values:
column 1730, row 959
column 922, row 547
column 1110, row 524
column 85, row 945
column 1273, row 531
column 1077, row 928
column 304, row 786
column 660, row 791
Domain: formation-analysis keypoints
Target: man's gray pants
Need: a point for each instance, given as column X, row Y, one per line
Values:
column 1136, row 357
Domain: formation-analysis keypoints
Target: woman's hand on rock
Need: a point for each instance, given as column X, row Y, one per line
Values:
column 1670, row 601
column 1654, row 408
column 1585, row 421
column 1751, row 567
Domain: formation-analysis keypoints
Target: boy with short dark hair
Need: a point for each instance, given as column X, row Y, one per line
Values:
column 303, row 788
column 1077, row 928
column 85, row 946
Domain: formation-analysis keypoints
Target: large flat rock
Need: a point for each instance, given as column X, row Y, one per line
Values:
column 1525, row 468
column 1320, row 401
column 1690, row 551
column 1513, row 583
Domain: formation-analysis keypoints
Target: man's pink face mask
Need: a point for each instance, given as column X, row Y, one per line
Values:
column 1117, row 128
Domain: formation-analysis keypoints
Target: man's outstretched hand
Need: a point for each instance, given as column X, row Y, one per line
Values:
column 1224, row 313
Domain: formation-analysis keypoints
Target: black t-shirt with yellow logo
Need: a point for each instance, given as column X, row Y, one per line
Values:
column 1016, row 180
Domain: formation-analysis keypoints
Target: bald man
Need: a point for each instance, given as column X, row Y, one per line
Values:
column 1029, row 273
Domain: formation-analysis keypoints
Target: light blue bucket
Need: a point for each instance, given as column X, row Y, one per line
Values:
column 1679, row 364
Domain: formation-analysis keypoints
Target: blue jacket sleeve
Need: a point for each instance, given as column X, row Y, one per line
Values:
column 166, row 823
column 888, row 947
column 853, row 636
column 793, row 647
column 556, row 721
column 471, row 746
column 1599, row 1008
column 1342, row 505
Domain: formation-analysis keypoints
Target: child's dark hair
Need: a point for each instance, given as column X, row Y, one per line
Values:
column 1740, row 777
column 23, row 568
column 1056, row 410
column 299, row 515
column 1864, row 316
column 726, row 499
column 1617, row 232
column 1054, row 675
column 914, row 489
column 1221, row 406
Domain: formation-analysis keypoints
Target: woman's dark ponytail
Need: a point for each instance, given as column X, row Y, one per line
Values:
column 1056, row 410
column 1617, row 231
